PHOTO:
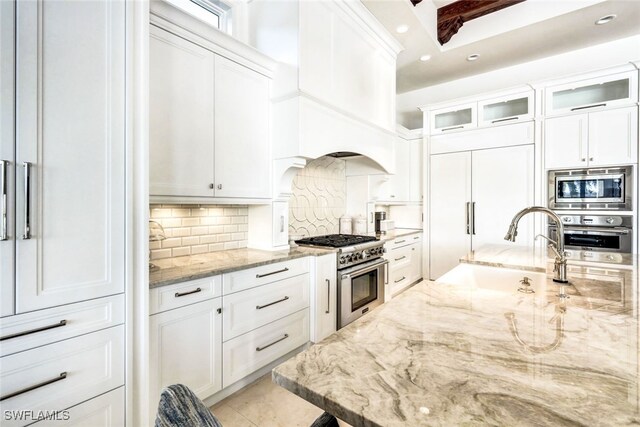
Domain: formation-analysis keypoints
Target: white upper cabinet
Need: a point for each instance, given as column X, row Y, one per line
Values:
column 613, row 137
column 181, row 116
column 506, row 109
column 209, row 98
column 502, row 109
column 406, row 184
column 456, row 118
column 70, row 148
column 602, row 138
column 242, row 148
column 595, row 93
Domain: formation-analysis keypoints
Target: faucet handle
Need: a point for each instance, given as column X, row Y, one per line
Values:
column 525, row 281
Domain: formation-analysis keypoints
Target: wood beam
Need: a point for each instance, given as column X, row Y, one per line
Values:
column 452, row 16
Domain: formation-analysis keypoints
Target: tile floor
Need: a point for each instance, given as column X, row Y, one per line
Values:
column 265, row 404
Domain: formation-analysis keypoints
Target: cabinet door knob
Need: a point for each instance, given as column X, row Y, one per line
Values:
column 591, row 159
column 584, row 159
column 219, row 186
column 211, row 186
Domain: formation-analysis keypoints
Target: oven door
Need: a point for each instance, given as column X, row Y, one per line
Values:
column 360, row 289
column 602, row 239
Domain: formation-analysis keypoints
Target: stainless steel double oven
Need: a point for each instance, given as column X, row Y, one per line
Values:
column 595, row 206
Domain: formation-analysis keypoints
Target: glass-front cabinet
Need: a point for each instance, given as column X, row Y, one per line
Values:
column 592, row 94
column 453, row 119
column 506, row 109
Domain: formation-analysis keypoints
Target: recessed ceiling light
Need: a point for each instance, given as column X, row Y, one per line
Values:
column 473, row 57
column 605, row 19
column 425, row 58
column 402, row 29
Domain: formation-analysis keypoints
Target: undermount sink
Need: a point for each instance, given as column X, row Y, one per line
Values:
column 495, row 278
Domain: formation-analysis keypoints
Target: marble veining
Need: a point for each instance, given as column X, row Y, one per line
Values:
column 442, row 355
column 181, row 269
column 398, row 232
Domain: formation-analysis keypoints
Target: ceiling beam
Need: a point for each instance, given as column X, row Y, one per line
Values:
column 452, row 16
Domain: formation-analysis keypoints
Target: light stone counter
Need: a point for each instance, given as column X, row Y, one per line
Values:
column 398, row 232
column 444, row 355
column 181, row 269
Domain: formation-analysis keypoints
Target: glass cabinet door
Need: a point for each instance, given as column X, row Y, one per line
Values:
column 603, row 92
column 453, row 119
column 504, row 110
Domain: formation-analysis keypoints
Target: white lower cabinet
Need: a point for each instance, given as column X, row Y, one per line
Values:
column 63, row 374
column 253, row 350
column 247, row 310
column 405, row 263
column 325, row 302
column 106, row 410
column 185, row 348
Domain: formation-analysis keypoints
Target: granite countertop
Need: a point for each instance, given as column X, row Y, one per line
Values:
column 536, row 259
column 442, row 354
column 180, row 269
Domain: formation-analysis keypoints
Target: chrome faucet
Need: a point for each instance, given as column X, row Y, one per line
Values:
column 560, row 264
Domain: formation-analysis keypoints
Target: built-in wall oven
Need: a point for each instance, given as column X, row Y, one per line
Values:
column 592, row 189
column 596, row 233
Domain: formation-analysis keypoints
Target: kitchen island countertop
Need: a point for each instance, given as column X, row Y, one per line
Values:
column 442, row 354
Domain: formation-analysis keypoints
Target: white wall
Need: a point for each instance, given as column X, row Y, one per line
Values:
column 575, row 62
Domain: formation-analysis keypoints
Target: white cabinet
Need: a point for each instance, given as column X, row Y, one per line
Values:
column 506, row 109
column 70, row 165
column 209, row 132
column 324, row 304
column 185, row 347
column 592, row 139
column 181, row 116
column 7, row 159
column 106, row 410
column 405, row 263
column 592, row 94
column 243, row 150
column 455, row 118
column 406, row 184
column 473, row 207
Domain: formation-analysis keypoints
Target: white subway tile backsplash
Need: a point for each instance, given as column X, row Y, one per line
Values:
column 196, row 229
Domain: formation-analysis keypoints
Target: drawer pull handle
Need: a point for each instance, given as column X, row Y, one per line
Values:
column 260, row 307
column 60, row 377
column 505, row 120
column 182, row 294
column 589, row 106
column 402, row 257
column 258, row 276
column 416, row 238
column 400, row 279
column 328, row 310
column 33, row 331
column 275, row 342
column 400, row 241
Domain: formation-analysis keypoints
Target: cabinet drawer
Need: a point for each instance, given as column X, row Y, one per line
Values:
column 173, row 296
column 399, row 257
column 247, row 310
column 63, row 374
column 249, row 352
column 403, row 241
column 29, row 330
column 399, row 279
column 106, row 410
column 252, row 277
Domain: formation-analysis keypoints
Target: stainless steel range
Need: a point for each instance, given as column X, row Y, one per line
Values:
column 362, row 273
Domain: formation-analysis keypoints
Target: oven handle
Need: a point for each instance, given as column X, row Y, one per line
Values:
column 355, row 270
column 597, row 231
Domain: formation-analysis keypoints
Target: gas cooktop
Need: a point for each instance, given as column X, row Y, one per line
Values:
column 336, row 240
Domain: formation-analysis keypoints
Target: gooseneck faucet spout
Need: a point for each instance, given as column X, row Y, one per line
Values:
column 560, row 264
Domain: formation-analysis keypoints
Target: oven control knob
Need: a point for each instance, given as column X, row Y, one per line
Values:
column 610, row 220
column 343, row 259
column 567, row 219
